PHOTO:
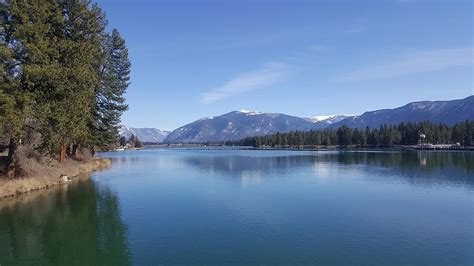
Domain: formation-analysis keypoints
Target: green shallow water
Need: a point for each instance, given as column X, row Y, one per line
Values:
column 235, row 207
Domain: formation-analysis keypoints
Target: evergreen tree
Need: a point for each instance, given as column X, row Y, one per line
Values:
column 469, row 132
column 257, row 142
column 122, row 141
column 14, row 103
column 110, row 101
column 344, row 136
column 131, row 139
column 62, row 76
column 137, row 143
column 65, row 109
column 30, row 52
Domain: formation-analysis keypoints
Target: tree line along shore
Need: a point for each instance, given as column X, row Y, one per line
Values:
column 62, row 84
column 403, row 134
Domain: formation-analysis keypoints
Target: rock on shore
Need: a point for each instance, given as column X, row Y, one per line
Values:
column 18, row 186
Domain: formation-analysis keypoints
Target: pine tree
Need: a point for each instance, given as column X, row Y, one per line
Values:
column 110, row 101
column 258, row 142
column 29, row 53
column 63, row 112
column 344, row 136
column 468, row 133
column 62, row 77
column 122, row 141
column 137, row 143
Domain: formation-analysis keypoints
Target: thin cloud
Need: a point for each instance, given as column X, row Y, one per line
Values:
column 269, row 74
column 415, row 63
column 305, row 54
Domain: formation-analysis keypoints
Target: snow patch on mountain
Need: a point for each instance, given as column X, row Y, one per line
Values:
column 328, row 119
column 237, row 125
column 318, row 118
column 247, row 112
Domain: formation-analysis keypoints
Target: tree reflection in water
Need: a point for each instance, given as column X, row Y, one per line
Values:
column 77, row 224
column 417, row 167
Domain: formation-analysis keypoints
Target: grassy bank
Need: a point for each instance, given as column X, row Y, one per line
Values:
column 51, row 176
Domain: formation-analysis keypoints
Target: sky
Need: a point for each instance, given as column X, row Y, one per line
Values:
column 194, row 59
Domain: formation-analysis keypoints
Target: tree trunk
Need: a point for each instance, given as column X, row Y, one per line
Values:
column 74, row 150
column 11, row 159
column 68, row 150
column 11, row 150
column 62, row 153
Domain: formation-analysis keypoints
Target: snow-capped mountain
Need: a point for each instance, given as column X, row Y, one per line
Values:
column 244, row 123
column 329, row 119
column 236, row 125
column 319, row 118
column 446, row 112
column 144, row 134
column 323, row 121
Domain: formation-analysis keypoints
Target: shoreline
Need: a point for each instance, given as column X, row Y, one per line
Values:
column 308, row 148
column 19, row 186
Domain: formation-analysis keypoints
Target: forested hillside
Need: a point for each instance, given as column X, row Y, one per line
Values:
column 63, row 78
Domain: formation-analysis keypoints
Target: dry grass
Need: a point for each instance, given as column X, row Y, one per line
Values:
column 39, row 173
column 9, row 202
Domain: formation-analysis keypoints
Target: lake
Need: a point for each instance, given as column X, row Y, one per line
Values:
column 248, row 207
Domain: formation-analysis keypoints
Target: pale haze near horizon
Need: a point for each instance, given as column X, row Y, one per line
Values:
column 193, row 59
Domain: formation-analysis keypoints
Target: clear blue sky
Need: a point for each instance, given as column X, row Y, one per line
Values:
column 193, row 59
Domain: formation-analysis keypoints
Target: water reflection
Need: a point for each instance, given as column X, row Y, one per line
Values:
column 185, row 207
column 77, row 224
column 236, row 165
column 421, row 167
column 416, row 167
column 427, row 160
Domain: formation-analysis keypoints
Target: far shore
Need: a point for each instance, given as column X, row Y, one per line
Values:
column 311, row 148
column 68, row 172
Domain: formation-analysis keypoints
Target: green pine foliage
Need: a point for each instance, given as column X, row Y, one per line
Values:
column 63, row 77
column 384, row 136
column 132, row 142
column 109, row 97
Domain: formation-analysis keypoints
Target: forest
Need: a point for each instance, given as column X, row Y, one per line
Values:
column 63, row 79
column 384, row 136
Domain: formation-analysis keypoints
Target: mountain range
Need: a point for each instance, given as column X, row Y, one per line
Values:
column 240, row 124
column 236, row 125
column 445, row 112
column 144, row 134
column 323, row 121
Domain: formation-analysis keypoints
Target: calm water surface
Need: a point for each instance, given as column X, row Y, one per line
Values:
column 215, row 207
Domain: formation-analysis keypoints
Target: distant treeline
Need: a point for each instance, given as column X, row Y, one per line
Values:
column 384, row 136
column 62, row 79
column 132, row 142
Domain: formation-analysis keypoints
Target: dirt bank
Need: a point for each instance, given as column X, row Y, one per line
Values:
column 54, row 177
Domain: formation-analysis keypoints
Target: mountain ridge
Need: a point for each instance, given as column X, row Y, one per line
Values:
column 145, row 134
column 239, row 124
column 446, row 112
